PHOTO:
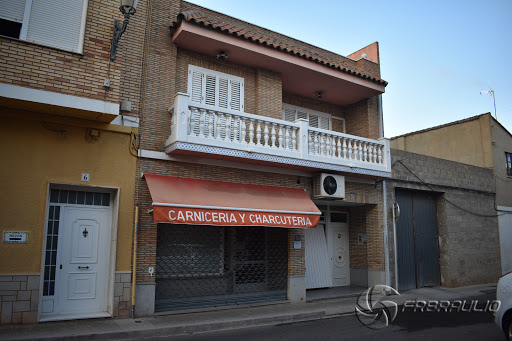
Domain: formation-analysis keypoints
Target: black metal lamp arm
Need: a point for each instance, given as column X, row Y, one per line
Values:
column 119, row 30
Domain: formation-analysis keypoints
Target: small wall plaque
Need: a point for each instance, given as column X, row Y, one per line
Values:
column 15, row 237
column 297, row 245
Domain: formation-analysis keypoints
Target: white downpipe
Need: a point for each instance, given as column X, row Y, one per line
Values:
column 384, row 202
column 395, row 248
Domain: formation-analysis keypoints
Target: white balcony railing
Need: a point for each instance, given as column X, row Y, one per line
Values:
column 204, row 125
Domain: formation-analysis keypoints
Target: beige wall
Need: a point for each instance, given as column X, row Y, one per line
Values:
column 35, row 153
column 501, row 143
column 468, row 142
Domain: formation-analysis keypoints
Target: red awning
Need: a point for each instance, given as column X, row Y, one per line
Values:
column 206, row 202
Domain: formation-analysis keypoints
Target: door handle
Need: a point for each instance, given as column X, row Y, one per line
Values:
column 83, row 267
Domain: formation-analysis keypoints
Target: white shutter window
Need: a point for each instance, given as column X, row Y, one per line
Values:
column 236, row 89
column 57, row 23
column 316, row 119
column 290, row 114
column 313, row 120
column 210, row 89
column 216, row 89
column 12, row 10
column 196, row 86
column 223, row 92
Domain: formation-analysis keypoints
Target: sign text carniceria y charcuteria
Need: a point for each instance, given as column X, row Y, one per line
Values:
column 238, row 218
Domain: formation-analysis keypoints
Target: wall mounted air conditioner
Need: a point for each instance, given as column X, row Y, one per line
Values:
column 328, row 186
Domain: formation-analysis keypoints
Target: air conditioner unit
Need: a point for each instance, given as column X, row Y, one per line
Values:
column 329, row 186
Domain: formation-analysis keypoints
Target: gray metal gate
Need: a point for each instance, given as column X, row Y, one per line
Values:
column 204, row 266
column 417, row 240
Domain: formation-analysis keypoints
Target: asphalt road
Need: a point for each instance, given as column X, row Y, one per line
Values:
column 408, row 325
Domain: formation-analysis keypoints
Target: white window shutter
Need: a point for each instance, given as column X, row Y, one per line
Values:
column 301, row 114
column 57, row 23
column 210, row 89
column 289, row 114
column 215, row 88
column 235, row 98
column 324, row 123
column 223, row 92
column 12, row 10
column 196, row 86
column 313, row 120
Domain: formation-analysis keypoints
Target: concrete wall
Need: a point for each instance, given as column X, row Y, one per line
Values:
column 467, row 223
column 466, row 142
column 501, row 143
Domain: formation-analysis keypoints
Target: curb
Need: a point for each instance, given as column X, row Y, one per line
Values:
column 190, row 329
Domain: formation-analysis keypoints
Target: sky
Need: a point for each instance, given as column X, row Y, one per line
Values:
column 436, row 55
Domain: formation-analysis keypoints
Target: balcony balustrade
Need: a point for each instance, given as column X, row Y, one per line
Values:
column 212, row 130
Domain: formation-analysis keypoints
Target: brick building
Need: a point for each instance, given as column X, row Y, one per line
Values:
column 69, row 160
column 253, row 159
column 238, row 119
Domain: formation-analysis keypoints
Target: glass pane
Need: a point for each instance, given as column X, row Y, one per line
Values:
column 48, row 258
column 106, row 199
column 48, row 243
column 63, row 196
column 56, row 216
column 72, row 197
column 54, row 195
column 52, row 273
column 97, row 199
column 46, row 272
column 338, row 217
column 45, row 289
column 80, row 198
column 50, row 212
column 52, row 289
column 54, row 258
column 88, row 198
column 55, row 228
column 54, row 242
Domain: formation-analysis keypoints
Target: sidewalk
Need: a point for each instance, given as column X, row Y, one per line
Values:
column 238, row 317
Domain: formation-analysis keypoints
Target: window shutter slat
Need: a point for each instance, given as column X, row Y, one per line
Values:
column 210, row 90
column 12, row 10
column 223, row 92
column 56, row 23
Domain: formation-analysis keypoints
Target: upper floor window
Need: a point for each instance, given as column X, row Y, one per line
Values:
column 55, row 23
column 316, row 119
column 215, row 88
column 508, row 160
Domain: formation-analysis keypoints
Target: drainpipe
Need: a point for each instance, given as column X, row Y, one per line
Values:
column 384, row 202
column 134, row 266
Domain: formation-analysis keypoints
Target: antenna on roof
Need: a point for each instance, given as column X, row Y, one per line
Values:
column 491, row 92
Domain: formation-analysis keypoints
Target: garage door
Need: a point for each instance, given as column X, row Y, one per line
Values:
column 417, row 240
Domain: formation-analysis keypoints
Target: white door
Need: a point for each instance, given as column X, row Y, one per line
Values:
column 82, row 275
column 340, row 254
column 318, row 271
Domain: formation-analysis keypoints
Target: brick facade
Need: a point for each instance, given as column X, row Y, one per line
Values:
column 469, row 250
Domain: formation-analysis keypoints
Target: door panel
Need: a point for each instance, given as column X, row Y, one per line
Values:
column 84, row 257
column 417, row 240
column 340, row 254
column 427, row 252
column 405, row 242
column 318, row 272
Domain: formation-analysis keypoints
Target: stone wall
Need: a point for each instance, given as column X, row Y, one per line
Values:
column 19, row 298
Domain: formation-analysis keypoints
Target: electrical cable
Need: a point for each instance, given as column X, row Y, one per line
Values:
column 445, row 199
